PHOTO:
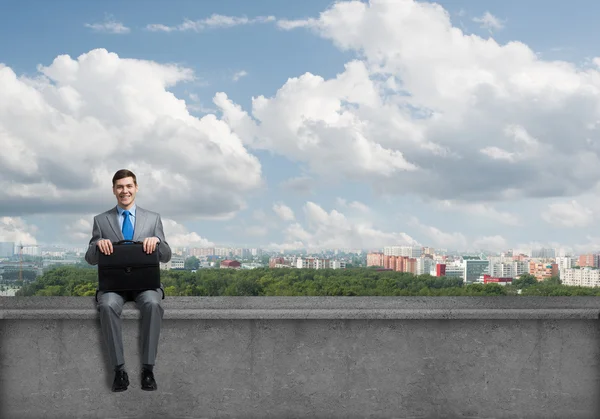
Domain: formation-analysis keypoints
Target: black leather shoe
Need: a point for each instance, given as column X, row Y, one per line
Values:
column 148, row 382
column 121, row 381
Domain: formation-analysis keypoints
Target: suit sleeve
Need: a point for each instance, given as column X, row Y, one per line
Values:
column 164, row 250
column 91, row 255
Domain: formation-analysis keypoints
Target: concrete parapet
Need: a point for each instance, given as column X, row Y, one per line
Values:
column 309, row 357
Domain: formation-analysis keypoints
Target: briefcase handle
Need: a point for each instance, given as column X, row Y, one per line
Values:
column 128, row 241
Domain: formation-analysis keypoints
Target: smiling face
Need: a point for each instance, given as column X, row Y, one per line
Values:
column 125, row 190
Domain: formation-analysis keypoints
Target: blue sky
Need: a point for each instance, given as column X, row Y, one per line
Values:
column 390, row 206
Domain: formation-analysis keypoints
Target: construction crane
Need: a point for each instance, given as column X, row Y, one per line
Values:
column 21, row 246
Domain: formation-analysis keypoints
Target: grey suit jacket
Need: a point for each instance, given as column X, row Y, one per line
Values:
column 147, row 224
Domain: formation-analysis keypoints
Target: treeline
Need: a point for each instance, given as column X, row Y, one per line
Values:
column 80, row 281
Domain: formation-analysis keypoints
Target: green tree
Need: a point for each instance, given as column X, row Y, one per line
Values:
column 554, row 279
column 525, row 280
column 192, row 263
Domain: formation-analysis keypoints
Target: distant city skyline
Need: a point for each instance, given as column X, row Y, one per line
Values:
column 283, row 125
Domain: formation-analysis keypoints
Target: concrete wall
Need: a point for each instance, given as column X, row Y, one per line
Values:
column 315, row 357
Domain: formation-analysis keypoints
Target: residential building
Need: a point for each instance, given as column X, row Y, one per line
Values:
column 203, row 251
column 584, row 277
column 566, row 262
column 312, row 263
column 222, row 251
column 375, row 259
column 590, row 260
column 543, row 270
column 424, row 265
column 337, row 264
column 409, row 251
column 520, row 267
column 502, row 270
column 176, row 262
column 429, row 251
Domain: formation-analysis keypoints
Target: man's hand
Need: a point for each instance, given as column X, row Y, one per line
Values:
column 150, row 244
column 105, row 246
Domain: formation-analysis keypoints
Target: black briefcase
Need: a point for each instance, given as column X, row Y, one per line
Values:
column 128, row 268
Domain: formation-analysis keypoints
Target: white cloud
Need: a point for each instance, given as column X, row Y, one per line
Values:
column 458, row 241
column 568, row 214
column 284, row 212
column 592, row 245
column 489, row 21
column 65, row 133
column 431, row 111
column 323, row 230
column 356, row 205
column 178, row 236
column 15, row 229
column 238, row 75
column 109, row 26
column 481, row 209
column 491, row 243
column 212, row 22
column 306, row 121
column 438, row 238
column 80, row 229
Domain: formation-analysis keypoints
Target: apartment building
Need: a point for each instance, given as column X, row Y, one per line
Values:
column 592, row 260
column 508, row 269
column 424, row 265
column 176, row 262
column 337, row 264
column 408, row 251
column 543, row 270
column 396, row 263
column 319, row 263
column 375, row 259
column 566, row 262
column 584, row 277
column 222, row 251
column 199, row 252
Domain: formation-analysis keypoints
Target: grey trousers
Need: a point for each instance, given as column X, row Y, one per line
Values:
column 110, row 306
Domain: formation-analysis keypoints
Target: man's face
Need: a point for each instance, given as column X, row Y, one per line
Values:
column 125, row 191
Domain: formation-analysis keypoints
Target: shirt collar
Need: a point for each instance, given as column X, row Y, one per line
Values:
column 131, row 210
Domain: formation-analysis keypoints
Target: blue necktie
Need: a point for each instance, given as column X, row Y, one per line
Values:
column 127, row 227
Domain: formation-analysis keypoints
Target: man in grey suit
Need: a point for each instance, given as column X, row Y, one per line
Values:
column 127, row 221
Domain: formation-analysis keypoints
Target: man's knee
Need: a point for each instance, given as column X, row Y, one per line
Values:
column 110, row 301
column 150, row 299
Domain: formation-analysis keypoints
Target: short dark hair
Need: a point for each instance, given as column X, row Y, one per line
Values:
column 122, row 174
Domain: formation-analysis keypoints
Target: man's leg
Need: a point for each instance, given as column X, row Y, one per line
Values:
column 110, row 306
column 148, row 302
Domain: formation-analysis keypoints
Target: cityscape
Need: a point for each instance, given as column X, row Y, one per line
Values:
column 21, row 264
column 375, row 208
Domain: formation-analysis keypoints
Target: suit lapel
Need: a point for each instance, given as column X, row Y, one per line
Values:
column 113, row 221
column 140, row 222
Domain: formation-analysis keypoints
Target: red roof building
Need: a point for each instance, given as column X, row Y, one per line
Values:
column 231, row 264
